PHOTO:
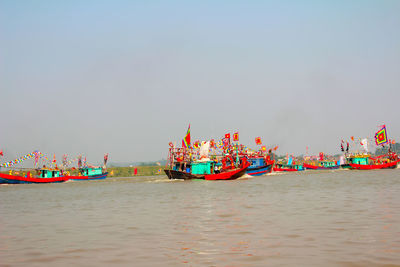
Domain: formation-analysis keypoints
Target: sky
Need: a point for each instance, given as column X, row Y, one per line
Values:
column 127, row 77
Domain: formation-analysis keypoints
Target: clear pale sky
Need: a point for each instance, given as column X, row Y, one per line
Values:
column 127, row 77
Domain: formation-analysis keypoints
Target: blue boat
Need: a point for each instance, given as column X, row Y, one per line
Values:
column 259, row 167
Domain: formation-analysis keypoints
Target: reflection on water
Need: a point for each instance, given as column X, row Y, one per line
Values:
column 337, row 218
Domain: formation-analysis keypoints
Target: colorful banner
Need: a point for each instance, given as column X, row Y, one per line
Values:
column 381, row 136
column 19, row 160
column 186, row 140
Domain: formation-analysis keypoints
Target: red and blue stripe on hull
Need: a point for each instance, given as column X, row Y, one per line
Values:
column 258, row 171
column 93, row 177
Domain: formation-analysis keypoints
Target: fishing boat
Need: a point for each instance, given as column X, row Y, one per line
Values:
column 206, row 170
column 90, row 173
column 259, row 166
column 44, row 176
column 366, row 162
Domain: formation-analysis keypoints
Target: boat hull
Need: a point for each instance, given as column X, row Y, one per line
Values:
column 85, row 178
column 390, row 165
column 276, row 169
column 13, row 179
column 345, row 166
column 228, row 175
column 258, row 171
column 172, row 174
column 312, row 167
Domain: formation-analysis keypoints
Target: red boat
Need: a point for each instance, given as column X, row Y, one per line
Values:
column 389, row 165
column 16, row 179
column 229, row 174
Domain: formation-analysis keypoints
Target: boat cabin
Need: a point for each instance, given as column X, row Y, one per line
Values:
column 91, row 171
column 181, row 166
column 256, row 162
column 206, row 167
column 359, row 159
column 290, row 166
column 49, row 173
column 328, row 164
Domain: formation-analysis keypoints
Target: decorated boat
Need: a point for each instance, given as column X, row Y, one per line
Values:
column 367, row 162
column 259, row 166
column 184, row 165
column 207, row 170
column 279, row 167
column 44, row 176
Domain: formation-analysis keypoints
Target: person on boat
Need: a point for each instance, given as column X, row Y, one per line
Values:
column 216, row 169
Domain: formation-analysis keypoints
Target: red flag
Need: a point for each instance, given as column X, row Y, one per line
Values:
column 1, row 152
column 236, row 136
column 264, row 148
column 228, row 136
column 54, row 158
column 258, row 141
column 275, row 148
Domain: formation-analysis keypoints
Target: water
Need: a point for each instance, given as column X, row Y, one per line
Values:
column 336, row 218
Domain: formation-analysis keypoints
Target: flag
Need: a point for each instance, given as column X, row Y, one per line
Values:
column 186, row 140
column 352, row 138
column 275, row 148
column 228, row 136
column 258, row 141
column 236, row 136
column 264, row 148
column 1, row 153
column 381, row 136
column 321, row 156
column 196, row 144
column 54, row 158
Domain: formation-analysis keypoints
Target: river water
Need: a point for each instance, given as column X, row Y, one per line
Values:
column 313, row 218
